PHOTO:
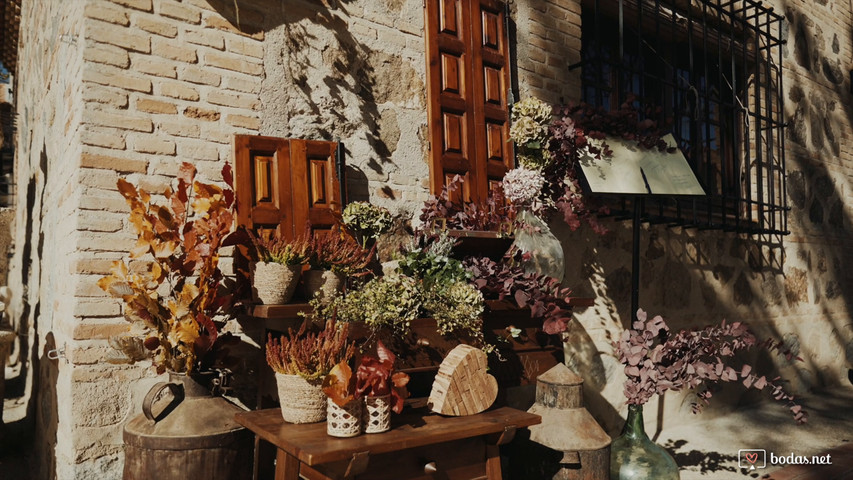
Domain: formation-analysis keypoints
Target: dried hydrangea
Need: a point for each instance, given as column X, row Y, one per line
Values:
column 526, row 131
column 522, row 186
column 390, row 301
column 456, row 308
column 533, row 108
column 367, row 220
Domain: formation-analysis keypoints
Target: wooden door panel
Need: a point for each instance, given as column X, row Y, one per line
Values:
column 285, row 183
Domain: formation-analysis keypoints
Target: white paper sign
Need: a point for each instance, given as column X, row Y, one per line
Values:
column 634, row 170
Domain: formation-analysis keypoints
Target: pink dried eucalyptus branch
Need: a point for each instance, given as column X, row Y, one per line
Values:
column 656, row 361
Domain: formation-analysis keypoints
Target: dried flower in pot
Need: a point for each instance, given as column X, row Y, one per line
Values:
column 344, row 410
column 334, row 256
column 301, row 360
column 178, row 247
column 278, row 266
column 384, row 389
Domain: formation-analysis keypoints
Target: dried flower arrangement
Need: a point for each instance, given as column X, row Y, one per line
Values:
column 375, row 377
column 543, row 295
column 339, row 252
column 271, row 247
column 366, row 221
column 493, row 214
column 656, row 361
column 310, row 354
column 171, row 289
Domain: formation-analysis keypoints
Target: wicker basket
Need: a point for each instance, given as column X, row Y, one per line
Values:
column 343, row 421
column 302, row 401
column 274, row 283
column 323, row 284
column 377, row 414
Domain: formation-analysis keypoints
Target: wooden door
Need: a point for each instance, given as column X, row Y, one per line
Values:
column 285, row 183
column 468, row 81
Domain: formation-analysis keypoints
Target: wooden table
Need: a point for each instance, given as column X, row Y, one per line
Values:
column 418, row 442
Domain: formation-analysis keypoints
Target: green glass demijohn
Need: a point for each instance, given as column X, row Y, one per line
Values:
column 633, row 456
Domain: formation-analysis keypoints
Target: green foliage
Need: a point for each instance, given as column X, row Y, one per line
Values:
column 366, row 221
column 391, row 301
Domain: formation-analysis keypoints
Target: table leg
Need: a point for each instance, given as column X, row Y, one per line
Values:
column 286, row 466
column 493, row 462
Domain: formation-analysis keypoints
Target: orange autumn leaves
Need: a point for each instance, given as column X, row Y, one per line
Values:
column 170, row 282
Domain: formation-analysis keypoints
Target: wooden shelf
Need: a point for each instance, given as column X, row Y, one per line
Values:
column 291, row 310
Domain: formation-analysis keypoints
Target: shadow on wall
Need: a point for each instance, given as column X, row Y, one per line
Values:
column 321, row 81
column 775, row 284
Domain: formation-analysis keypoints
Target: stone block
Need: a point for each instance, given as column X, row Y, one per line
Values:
column 116, row 78
column 107, row 307
column 106, row 242
column 119, row 36
column 243, row 121
column 242, row 84
column 149, row 105
column 152, row 144
column 99, row 221
column 103, row 138
column 169, row 49
column 178, row 90
column 202, row 114
column 97, row 178
column 101, row 330
column 243, row 46
column 155, row 66
column 124, row 121
column 236, row 100
column 89, row 265
column 116, row 164
column 157, row 27
column 199, row 75
column 178, row 128
column 197, row 150
column 233, row 63
column 179, row 12
column 144, row 5
column 106, row 54
column 208, row 38
column 107, row 13
column 103, row 200
column 219, row 23
column 217, row 135
column 105, row 96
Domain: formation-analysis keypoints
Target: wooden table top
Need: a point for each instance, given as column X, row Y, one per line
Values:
column 313, row 446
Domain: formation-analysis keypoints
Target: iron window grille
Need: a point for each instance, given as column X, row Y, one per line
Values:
column 714, row 69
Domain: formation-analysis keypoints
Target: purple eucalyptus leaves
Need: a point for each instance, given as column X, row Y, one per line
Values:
column 657, row 360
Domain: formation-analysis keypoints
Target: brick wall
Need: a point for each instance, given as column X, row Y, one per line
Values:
column 135, row 87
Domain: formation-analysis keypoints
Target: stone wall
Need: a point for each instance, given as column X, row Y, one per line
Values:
column 132, row 88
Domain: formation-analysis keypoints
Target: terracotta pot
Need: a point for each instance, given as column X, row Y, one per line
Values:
column 274, row 283
column 302, row 401
column 323, row 284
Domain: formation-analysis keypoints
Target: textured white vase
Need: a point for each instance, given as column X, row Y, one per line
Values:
column 302, row 401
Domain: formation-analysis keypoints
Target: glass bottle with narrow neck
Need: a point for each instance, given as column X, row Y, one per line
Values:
column 633, row 456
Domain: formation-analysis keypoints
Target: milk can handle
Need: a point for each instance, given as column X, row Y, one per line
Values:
column 155, row 392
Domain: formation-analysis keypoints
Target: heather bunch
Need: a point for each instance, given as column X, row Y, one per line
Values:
column 271, row 247
column 338, row 251
column 307, row 353
column 657, row 360
column 444, row 209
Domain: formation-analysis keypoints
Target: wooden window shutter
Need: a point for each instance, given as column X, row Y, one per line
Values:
column 285, row 183
column 468, row 79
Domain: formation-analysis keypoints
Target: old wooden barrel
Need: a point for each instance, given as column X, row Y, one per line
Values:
column 185, row 432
